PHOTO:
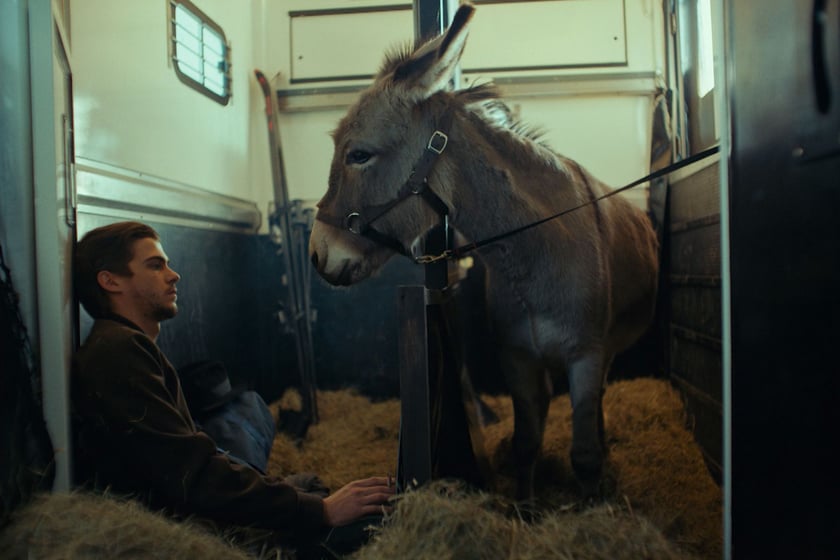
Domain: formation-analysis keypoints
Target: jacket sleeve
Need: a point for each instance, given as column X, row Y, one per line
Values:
column 131, row 392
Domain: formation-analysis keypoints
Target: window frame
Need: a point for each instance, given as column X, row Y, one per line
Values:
column 699, row 110
column 206, row 23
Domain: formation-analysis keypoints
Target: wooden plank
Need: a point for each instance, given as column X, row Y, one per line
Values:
column 697, row 365
column 694, row 300
column 694, row 280
column 415, row 454
column 455, row 452
column 679, row 332
column 705, row 422
column 694, row 223
column 697, row 308
column 696, row 196
column 435, row 440
column 696, row 252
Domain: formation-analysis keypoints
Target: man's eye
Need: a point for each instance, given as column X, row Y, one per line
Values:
column 358, row 156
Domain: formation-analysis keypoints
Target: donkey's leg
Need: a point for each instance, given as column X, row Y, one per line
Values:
column 530, row 388
column 585, row 388
column 602, row 436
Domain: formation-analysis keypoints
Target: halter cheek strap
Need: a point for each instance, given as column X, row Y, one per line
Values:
column 416, row 184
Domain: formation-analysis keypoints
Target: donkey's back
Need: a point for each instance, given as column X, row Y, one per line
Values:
column 633, row 268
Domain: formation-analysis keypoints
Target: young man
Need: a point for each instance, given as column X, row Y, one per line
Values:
column 134, row 430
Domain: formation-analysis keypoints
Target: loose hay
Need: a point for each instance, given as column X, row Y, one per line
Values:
column 655, row 479
column 660, row 501
column 354, row 439
column 82, row 526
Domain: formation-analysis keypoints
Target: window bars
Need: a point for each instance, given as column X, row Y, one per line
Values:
column 200, row 53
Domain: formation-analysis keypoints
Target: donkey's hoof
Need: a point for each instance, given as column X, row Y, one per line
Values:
column 590, row 490
column 589, row 478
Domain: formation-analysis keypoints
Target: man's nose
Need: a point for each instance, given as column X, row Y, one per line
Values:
column 174, row 276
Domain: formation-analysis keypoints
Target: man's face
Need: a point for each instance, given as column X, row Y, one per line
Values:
column 151, row 288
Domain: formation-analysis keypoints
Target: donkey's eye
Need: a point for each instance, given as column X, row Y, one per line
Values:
column 358, row 156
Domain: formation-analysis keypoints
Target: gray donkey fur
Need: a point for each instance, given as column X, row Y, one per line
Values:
column 564, row 297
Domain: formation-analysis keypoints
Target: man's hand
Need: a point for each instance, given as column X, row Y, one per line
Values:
column 357, row 499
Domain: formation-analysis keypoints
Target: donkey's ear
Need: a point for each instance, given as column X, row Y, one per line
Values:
column 429, row 69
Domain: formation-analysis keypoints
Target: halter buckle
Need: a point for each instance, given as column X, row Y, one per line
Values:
column 437, row 142
column 353, row 222
column 429, row 259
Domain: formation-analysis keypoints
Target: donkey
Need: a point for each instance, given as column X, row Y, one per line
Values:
column 564, row 297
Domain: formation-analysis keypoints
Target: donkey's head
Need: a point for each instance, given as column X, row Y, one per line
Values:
column 383, row 145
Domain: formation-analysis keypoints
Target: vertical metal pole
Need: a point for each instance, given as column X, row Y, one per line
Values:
column 293, row 248
column 414, row 465
column 720, row 21
column 430, row 19
column 434, row 436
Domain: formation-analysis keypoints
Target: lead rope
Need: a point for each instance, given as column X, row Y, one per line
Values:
column 458, row 252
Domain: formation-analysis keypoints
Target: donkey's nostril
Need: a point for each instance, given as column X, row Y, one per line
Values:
column 314, row 259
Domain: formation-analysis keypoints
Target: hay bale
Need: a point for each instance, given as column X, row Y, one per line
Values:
column 443, row 520
column 82, row 526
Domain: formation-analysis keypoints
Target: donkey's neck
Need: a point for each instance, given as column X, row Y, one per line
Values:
column 500, row 179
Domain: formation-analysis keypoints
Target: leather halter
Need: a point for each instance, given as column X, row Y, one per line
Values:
column 360, row 222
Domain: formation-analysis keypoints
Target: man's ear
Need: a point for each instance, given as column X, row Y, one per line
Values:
column 108, row 281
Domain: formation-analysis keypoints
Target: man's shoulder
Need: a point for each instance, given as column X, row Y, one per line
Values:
column 109, row 331
column 110, row 339
column 116, row 355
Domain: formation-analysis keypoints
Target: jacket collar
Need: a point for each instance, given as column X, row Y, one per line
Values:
column 121, row 319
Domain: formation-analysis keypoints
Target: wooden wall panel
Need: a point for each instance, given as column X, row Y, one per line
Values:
column 693, row 289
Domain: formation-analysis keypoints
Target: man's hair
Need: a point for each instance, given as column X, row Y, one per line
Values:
column 105, row 248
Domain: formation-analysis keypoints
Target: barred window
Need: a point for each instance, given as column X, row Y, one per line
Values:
column 200, row 53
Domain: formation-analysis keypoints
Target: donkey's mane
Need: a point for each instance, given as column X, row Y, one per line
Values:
column 484, row 102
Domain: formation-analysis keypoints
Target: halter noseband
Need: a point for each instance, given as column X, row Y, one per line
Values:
column 416, row 184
